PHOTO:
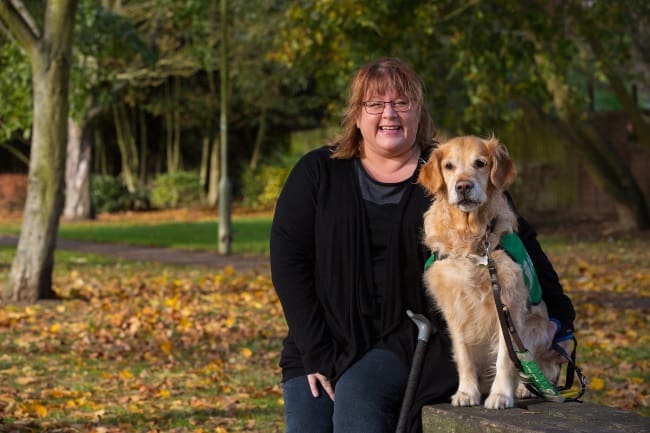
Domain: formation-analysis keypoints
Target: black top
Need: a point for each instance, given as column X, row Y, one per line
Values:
column 381, row 202
column 321, row 267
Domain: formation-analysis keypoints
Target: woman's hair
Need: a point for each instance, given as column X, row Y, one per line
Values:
column 378, row 77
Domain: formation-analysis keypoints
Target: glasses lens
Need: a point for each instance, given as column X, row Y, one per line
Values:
column 377, row 107
column 401, row 105
column 374, row 107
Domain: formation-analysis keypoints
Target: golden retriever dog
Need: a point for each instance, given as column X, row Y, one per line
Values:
column 467, row 177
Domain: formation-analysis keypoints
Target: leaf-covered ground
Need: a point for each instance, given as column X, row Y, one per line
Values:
column 146, row 348
column 609, row 283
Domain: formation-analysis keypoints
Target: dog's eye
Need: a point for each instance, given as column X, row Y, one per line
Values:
column 449, row 166
column 479, row 163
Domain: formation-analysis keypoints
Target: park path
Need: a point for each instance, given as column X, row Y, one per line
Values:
column 174, row 256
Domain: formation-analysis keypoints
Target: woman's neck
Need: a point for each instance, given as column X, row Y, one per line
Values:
column 391, row 169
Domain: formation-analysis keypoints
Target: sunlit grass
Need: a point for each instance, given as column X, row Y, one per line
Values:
column 250, row 235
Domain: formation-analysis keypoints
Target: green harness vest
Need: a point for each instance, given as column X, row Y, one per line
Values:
column 512, row 245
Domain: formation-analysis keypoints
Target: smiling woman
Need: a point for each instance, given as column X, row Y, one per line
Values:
column 389, row 127
column 346, row 262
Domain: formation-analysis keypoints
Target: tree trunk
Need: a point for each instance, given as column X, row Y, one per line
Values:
column 205, row 162
column 127, row 146
column 144, row 155
column 77, row 173
column 100, row 163
column 172, row 121
column 613, row 175
column 30, row 277
column 259, row 139
column 213, row 178
column 607, row 169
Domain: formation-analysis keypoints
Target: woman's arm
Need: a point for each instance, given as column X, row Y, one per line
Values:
column 560, row 308
column 293, row 263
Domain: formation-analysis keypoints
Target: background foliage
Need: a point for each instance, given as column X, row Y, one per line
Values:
column 146, row 74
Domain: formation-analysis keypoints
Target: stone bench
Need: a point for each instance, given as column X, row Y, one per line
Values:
column 533, row 416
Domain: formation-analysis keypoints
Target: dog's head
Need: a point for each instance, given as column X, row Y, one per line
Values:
column 467, row 170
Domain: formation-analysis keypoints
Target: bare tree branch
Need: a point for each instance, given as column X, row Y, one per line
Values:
column 15, row 152
column 20, row 24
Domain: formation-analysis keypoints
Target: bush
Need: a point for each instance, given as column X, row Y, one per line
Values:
column 178, row 189
column 109, row 194
column 262, row 187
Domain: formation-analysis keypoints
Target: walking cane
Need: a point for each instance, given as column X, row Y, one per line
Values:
column 424, row 331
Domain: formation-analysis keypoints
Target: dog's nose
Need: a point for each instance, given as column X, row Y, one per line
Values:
column 463, row 187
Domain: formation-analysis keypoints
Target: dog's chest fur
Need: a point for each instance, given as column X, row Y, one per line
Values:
column 460, row 286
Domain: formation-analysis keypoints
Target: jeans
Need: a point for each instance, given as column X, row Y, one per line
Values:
column 368, row 398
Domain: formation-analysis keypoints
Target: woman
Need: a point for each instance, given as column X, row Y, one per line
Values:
column 347, row 261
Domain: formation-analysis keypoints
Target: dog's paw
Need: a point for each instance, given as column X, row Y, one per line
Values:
column 462, row 398
column 523, row 392
column 499, row 401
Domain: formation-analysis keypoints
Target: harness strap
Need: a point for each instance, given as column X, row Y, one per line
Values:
column 572, row 369
column 532, row 376
column 504, row 316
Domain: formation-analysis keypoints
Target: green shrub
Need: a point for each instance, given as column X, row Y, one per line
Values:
column 109, row 194
column 262, row 186
column 140, row 200
column 174, row 190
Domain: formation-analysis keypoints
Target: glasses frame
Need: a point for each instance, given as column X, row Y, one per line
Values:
column 392, row 105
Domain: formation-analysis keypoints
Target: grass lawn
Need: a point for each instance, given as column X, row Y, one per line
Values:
column 250, row 234
column 135, row 347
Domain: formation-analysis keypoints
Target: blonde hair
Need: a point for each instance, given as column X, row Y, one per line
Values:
column 377, row 77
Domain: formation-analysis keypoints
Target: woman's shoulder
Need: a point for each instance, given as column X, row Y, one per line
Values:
column 320, row 154
column 321, row 157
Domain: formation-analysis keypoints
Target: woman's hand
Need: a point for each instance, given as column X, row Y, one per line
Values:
column 566, row 344
column 314, row 379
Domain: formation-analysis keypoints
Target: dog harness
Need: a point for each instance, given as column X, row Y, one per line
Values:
column 529, row 371
column 514, row 247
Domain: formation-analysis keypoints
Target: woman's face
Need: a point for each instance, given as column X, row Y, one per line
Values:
column 390, row 132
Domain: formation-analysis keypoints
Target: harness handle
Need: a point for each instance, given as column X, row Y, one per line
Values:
column 530, row 372
column 571, row 371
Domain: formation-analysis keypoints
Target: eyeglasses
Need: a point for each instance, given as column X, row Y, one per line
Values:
column 377, row 107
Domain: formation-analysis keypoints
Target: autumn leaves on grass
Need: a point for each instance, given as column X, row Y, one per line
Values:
column 139, row 343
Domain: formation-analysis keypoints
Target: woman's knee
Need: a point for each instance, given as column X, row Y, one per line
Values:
column 380, row 371
column 369, row 394
column 302, row 412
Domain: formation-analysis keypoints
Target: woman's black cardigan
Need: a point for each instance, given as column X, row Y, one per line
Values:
column 321, row 270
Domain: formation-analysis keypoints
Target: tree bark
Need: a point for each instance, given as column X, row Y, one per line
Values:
column 126, row 144
column 49, row 53
column 77, row 173
column 607, row 169
column 259, row 139
column 214, row 174
column 173, row 127
column 142, row 122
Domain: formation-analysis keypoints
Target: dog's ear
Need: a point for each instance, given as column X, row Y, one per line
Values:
column 503, row 170
column 430, row 176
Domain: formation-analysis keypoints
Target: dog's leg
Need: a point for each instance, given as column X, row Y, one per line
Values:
column 522, row 391
column 502, row 391
column 468, row 393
